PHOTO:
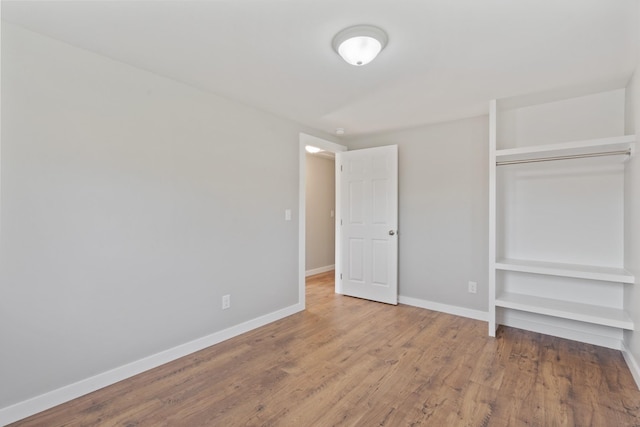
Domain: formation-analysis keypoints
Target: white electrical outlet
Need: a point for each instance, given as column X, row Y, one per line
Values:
column 473, row 287
column 226, row 301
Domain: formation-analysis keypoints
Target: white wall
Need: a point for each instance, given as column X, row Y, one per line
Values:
column 130, row 204
column 598, row 115
column 632, row 224
column 443, row 210
column 320, row 202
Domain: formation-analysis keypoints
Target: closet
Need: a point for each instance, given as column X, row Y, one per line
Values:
column 556, row 217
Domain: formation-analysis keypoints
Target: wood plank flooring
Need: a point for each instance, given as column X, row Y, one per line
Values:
column 350, row 362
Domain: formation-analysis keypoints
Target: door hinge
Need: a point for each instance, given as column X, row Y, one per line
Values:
column 340, row 276
column 340, row 168
column 340, row 222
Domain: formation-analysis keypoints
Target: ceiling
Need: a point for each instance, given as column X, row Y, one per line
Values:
column 445, row 58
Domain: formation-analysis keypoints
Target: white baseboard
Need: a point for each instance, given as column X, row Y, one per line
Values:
column 445, row 308
column 53, row 398
column 632, row 363
column 319, row 270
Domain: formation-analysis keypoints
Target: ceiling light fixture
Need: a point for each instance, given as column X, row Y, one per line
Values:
column 311, row 149
column 360, row 44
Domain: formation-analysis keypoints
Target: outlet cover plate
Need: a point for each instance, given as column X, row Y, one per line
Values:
column 473, row 287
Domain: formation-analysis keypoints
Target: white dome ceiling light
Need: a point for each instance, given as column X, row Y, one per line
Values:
column 360, row 44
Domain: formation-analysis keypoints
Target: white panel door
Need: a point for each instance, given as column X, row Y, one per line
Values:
column 369, row 223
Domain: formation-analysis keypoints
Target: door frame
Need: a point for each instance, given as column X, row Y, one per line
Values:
column 304, row 140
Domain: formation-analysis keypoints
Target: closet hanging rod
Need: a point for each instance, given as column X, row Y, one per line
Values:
column 567, row 157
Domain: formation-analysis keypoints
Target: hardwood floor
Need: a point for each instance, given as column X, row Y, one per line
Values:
column 350, row 362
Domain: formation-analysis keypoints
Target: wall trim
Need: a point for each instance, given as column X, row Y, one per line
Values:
column 632, row 363
column 319, row 270
column 445, row 308
column 64, row 394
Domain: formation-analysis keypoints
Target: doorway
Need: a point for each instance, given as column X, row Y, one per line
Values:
column 320, row 213
column 329, row 147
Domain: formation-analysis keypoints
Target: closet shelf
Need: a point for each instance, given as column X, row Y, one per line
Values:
column 608, row 274
column 572, row 148
column 596, row 314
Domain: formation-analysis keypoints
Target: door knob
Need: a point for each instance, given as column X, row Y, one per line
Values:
column 391, row 232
